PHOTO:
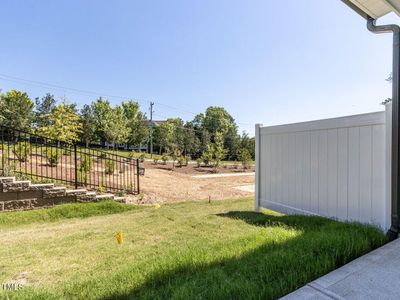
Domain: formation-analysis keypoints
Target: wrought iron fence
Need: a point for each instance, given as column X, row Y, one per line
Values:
column 41, row 159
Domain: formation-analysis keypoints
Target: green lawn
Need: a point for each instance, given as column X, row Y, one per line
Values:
column 192, row 250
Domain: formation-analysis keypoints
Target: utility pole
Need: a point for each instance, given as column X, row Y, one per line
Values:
column 151, row 129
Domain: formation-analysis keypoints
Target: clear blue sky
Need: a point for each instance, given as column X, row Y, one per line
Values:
column 265, row 61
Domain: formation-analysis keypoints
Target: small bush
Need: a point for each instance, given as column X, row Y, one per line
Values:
column 101, row 189
column 53, row 155
column 206, row 158
column 155, row 160
column 198, row 161
column 85, row 166
column 181, row 161
column 187, row 159
column 7, row 166
column 86, row 163
column 132, row 155
column 22, row 150
column 142, row 156
column 110, row 166
column 245, row 158
column 103, row 155
column 164, row 158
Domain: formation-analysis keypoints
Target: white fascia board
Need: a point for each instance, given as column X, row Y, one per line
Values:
column 377, row 8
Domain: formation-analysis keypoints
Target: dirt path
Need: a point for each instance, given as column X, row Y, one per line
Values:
column 171, row 186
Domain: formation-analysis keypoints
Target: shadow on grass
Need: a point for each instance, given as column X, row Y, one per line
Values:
column 300, row 222
column 267, row 272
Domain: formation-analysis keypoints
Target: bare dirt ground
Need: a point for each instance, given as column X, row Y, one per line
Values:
column 162, row 185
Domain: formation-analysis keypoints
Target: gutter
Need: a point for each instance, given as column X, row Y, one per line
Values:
column 393, row 232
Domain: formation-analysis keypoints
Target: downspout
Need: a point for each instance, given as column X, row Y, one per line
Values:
column 395, row 196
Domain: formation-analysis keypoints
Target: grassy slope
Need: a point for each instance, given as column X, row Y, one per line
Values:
column 66, row 211
column 190, row 250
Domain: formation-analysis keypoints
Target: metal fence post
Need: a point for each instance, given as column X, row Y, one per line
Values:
column 137, row 175
column 76, row 167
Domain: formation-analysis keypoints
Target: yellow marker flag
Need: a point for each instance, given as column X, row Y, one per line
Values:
column 119, row 237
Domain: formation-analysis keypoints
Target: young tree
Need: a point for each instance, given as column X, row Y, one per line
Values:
column 245, row 157
column 102, row 112
column 16, row 110
column 64, row 125
column 115, row 129
column 217, row 119
column 208, row 155
column 136, row 122
column 248, row 143
column 44, row 107
column 219, row 152
column 178, row 134
column 88, row 122
column 191, row 141
column 163, row 136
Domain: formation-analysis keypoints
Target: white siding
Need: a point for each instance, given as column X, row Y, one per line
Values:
column 334, row 168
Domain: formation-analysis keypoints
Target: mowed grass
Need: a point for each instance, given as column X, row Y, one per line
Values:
column 67, row 211
column 192, row 250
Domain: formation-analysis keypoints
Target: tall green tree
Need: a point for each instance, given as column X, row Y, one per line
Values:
column 116, row 129
column 217, row 119
column 102, row 112
column 136, row 122
column 16, row 110
column 163, row 134
column 178, row 134
column 88, row 121
column 64, row 125
column 44, row 106
column 191, row 141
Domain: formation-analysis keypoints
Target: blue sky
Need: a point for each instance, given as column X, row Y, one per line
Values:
column 265, row 61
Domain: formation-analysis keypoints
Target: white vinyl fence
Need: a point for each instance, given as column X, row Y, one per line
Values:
column 338, row 168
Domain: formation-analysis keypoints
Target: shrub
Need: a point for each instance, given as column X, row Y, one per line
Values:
column 142, row 156
column 85, row 166
column 22, row 150
column 101, row 189
column 155, row 160
column 132, row 155
column 110, row 165
column 103, row 155
column 164, row 158
column 181, row 161
column 7, row 166
column 245, row 158
column 198, row 161
column 187, row 159
column 207, row 156
column 53, row 155
column 86, row 163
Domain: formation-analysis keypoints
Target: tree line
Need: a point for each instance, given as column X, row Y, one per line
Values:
column 212, row 135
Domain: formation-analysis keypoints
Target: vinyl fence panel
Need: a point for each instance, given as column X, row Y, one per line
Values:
column 337, row 168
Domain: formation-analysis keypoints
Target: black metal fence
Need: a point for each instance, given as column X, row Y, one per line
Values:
column 40, row 160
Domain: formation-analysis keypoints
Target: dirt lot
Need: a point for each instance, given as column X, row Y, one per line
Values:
column 161, row 184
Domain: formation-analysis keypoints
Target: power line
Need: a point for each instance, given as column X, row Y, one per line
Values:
column 80, row 91
column 89, row 92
